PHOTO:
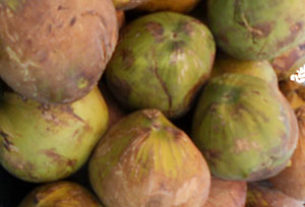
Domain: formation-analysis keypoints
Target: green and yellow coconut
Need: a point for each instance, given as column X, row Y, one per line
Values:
column 161, row 61
column 244, row 127
column 42, row 143
column 257, row 29
column 144, row 160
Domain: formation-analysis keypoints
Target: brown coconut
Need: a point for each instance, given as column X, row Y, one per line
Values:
column 144, row 160
column 227, row 194
column 56, row 51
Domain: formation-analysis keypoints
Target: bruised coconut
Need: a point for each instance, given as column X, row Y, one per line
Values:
column 168, row 5
column 161, row 61
column 227, row 194
column 260, row 69
column 291, row 180
column 244, row 127
column 257, row 29
column 144, row 160
column 61, row 194
column 41, row 143
column 55, row 51
column 265, row 196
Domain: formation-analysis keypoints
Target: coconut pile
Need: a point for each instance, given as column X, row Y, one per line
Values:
column 158, row 103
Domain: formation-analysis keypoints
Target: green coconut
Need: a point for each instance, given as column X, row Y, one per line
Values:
column 55, row 51
column 161, row 61
column 261, row 69
column 244, row 127
column 144, row 160
column 266, row 196
column 60, row 194
column 41, row 143
column 260, row 29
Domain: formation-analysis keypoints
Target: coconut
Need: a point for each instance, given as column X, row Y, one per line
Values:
column 227, row 194
column 161, row 62
column 257, row 29
column 60, row 194
column 244, row 127
column 56, row 51
column 42, row 143
column 144, row 160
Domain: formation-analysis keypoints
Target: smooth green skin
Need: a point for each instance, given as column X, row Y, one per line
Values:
column 161, row 62
column 60, row 194
column 260, row 29
column 142, row 152
column 41, row 143
column 260, row 69
column 244, row 128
